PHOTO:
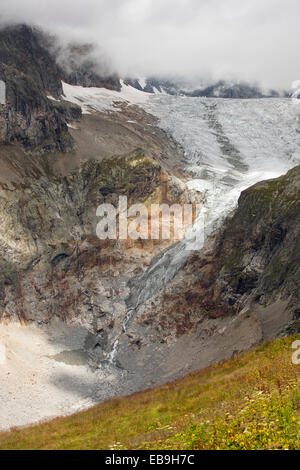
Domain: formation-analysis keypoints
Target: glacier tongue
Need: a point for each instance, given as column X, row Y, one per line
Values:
column 230, row 144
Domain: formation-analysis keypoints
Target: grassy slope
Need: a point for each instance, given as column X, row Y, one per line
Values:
column 249, row 402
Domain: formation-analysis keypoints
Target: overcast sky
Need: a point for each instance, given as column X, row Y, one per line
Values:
column 254, row 40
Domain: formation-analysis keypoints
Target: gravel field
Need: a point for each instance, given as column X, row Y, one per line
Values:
column 44, row 373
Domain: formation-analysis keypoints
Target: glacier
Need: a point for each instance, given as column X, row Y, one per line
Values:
column 230, row 144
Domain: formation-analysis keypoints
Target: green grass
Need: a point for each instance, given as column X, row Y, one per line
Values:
column 249, row 402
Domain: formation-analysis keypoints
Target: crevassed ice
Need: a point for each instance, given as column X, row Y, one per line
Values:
column 230, row 144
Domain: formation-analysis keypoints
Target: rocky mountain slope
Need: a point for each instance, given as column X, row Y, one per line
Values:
column 52, row 263
column 240, row 289
column 145, row 309
column 219, row 89
column 30, row 76
column 33, row 69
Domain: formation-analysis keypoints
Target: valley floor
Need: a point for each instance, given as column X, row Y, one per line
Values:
column 249, row 402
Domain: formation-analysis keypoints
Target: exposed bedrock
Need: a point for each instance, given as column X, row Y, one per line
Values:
column 241, row 288
column 30, row 115
column 52, row 263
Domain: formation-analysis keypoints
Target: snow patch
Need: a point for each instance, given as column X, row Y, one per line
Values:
column 142, row 82
column 52, row 98
column 2, row 92
column 103, row 100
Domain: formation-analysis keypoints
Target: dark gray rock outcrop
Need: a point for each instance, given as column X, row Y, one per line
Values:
column 30, row 76
column 21, row 48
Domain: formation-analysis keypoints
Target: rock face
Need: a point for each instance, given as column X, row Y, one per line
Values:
column 239, row 290
column 30, row 75
column 258, row 249
column 21, row 49
column 52, row 263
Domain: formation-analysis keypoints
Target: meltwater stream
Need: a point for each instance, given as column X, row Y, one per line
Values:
column 111, row 359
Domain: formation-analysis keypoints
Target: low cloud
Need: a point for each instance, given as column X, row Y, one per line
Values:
column 246, row 40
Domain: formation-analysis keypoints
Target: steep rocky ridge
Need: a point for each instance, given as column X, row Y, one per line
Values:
column 52, row 263
column 31, row 76
column 21, row 49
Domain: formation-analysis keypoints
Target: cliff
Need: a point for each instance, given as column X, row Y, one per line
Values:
column 29, row 116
